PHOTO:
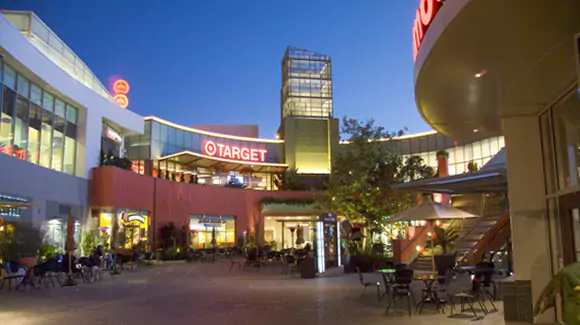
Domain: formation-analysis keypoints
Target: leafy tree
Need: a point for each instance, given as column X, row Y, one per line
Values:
column 360, row 186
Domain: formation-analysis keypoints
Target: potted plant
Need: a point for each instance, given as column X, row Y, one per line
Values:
column 565, row 284
column 472, row 166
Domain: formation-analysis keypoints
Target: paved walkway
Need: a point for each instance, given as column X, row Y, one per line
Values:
column 209, row 294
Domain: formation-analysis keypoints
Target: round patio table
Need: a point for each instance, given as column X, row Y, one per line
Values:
column 388, row 278
column 430, row 292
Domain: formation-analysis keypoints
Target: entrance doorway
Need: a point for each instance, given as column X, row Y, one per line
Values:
column 570, row 227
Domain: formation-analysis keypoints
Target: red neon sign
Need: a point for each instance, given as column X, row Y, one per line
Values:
column 423, row 18
column 122, row 100
column 234, row 152
column 121, row 88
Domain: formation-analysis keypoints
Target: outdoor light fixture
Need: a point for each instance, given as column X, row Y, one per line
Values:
column 418, row 248
column 429, row 234
column 481, row 73
column 438, row 222
column 320, row 246
column 338, row 243
column 475, row 130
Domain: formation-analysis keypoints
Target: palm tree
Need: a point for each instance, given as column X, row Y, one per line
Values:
column 444, row 238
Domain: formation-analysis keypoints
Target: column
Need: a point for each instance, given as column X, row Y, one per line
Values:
column 528, row 214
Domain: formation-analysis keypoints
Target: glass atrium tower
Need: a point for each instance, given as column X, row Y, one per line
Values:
column 307, row 125
column 306, row 84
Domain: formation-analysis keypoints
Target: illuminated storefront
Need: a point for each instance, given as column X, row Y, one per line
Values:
column 208, row 231
column 132, row 226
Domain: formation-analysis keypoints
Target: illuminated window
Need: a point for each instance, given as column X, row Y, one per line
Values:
column 21, row 129
column 46, row 137
column 6, row 131
column 11, row 212
column 70, row 140
column 34, row 133
column 58, row 143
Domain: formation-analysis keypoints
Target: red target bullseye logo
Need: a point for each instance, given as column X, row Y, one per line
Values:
column 209, row 148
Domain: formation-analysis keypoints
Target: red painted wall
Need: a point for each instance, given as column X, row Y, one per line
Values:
column 175, row 202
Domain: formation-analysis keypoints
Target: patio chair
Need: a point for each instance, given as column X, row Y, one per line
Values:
column 290, row 265
column 234, row 262
column 475, row 295
column 369, row 284
column 400, row 289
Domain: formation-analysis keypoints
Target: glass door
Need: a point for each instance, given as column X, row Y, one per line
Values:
column 570, row 227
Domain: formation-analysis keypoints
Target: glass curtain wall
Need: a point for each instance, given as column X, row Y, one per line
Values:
column 460, row 155
column 306, row 84
column 35, row 126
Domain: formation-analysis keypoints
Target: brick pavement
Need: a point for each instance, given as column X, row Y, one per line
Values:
column 209, row 294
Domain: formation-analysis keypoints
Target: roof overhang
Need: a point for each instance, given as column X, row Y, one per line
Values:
column 189, row 158
column 482, row 181
column 484, row 60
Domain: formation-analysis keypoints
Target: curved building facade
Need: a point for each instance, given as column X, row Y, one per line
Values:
column 511, row 68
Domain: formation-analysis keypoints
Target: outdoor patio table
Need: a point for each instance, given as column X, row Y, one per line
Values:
column 429, row 293
column 388, row 278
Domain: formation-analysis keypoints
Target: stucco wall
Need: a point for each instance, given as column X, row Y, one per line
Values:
column 44, row 187
column 169, row 201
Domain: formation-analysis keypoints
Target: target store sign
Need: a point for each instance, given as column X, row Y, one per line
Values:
column 225, row 151
column 423, row 18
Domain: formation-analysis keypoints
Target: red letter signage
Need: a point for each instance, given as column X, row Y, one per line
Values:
column 423, row 18
column 234, row 152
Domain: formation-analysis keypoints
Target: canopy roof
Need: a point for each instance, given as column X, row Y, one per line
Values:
column 430, row 210
column 491, row 178
column 193, row 159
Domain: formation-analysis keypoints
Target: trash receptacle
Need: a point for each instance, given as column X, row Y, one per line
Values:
column 308, row 268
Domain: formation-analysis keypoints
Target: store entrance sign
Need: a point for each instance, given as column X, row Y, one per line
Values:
column 113, row 135
column 423, row 18
column 221, row 150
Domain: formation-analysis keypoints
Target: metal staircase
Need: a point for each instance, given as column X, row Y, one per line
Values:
column 491, row 209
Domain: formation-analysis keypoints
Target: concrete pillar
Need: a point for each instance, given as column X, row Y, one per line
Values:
column 529, row 224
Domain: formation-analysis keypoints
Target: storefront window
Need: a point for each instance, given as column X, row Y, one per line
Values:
column 11, row 212
column 58, row 135
column 208, row 231
column 21, row 128
column 6, row 131
column 566, row 115
column 46, row 138
column 133, row 227
column 34, row 133
column 70, row 140
column 54, row 233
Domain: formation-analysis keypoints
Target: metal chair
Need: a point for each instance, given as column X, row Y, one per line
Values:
column 400, row 289
column 368, row 284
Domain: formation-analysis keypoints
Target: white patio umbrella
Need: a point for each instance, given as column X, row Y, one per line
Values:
column 432, row 212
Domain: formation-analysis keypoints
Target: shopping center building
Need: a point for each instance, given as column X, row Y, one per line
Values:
column 485, row 68
column 60, row 124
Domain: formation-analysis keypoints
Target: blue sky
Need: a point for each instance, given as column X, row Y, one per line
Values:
column 194, row 61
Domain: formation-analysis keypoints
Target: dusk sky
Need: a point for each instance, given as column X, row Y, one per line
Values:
column 219, row 62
